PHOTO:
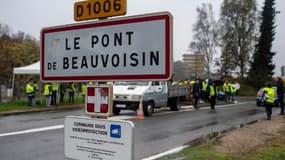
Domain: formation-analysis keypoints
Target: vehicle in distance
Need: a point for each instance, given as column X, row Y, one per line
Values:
column 259, row 99
column 154, row 94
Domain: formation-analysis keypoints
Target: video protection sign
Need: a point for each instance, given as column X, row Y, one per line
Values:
column 93, row 138
column 129, row 48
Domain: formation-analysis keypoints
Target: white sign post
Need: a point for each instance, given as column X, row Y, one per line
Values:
column 92, row 138
column 128, row 48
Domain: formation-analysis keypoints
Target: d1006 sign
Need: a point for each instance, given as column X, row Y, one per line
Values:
column 93, row 9
column 129, row 48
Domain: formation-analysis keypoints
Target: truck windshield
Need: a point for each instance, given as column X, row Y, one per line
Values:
column 140, row 83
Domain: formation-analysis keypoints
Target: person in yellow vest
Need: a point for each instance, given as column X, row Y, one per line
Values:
column 232, row 88
column 204, row 91
column 36, row 89
column 226, row 91
column 47, row 93
column 71, row 91
column 212, row 95
column 30, row 93
column 62, row 89
column 268, row 97
column 54, row 89
column 83, row 91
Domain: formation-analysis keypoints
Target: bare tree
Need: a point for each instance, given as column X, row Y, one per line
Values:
column 205, row 39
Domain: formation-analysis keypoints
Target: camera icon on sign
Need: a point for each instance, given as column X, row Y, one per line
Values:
column 115, row 131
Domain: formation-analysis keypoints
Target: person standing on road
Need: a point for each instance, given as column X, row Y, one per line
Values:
column 83, row 91
column 268, row 97
column 204, row 91
column 280, row 92
column 232, row 87
column 30, row 93
column 47, row 93
column 54, row 89
column 196, row 93
column 226, row 91
column 62, row 88
column 71, row 90
column 212, row 94
column 237, row 85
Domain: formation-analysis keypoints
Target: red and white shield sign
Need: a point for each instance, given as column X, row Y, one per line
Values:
column 98, row 101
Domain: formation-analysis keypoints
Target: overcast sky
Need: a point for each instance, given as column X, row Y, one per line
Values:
column 30, row 16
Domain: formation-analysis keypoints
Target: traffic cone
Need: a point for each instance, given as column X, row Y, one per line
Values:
column 140, row 115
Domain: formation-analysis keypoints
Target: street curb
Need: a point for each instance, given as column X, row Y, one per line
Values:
column 52, row 108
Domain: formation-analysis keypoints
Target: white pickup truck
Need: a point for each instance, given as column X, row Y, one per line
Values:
column 154, row 94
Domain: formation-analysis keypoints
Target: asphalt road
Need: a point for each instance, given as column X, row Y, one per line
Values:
column 40, row 135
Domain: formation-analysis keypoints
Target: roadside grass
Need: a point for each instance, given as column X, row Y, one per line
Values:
column 15, row 105
column 272, row 150
column 202, row 152
column 247, row 90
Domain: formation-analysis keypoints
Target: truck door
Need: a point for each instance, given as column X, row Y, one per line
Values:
column 160, row 93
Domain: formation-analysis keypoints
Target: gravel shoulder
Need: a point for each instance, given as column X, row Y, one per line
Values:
column 245, row 139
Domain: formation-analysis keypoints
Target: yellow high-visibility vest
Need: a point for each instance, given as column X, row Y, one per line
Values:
column 54, row 86
column 47, row 91
column 232, row 88
column 83, row 89
column 269, row 97
column 225, row 87
column 212, row 91
column 29, row 89
column 204, row 86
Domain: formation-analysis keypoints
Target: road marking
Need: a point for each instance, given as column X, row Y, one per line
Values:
column 54, row 127
column 32, row 130
column 171, row 151
column 122, row 117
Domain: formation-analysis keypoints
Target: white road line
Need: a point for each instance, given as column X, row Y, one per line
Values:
column 122, row 117
column 171, row 151
column 54, row 127
column 32, row 130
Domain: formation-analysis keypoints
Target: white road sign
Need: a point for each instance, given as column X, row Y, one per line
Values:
column 128, row 48
column 92, row 138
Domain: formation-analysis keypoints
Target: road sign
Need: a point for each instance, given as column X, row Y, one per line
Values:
column 92, row 138
column 98, row 100
column 128, row 48
column 93, row 9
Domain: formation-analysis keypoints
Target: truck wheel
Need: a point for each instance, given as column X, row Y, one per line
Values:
column 116, row 111
column 148, row 109
column 175, row 104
